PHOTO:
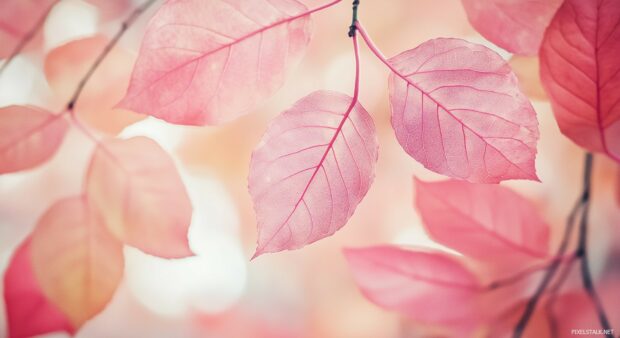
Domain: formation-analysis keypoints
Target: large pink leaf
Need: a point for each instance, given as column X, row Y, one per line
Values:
column 515, row 25
column 17, row 20
column 77, row 262
column 313, row 166
column 29, row 312
column 427, row 286
column 488, row 222
column 29, row 136
column 136, row 186
column 581, row 73
column 457, row 109
column 208, row 62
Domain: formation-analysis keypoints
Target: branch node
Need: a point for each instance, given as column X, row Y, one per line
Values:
column 353, row 27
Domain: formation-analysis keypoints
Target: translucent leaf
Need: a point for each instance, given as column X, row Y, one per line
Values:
column 312, row 168
column 488, row 222
column 515, row 25
column 208, row 62
column 29, row 136
column 143, row 201
column 17, row 20
column 581, row 73
column 457, row 109
column 78, row 263
column 29, row 312
column 426, row 286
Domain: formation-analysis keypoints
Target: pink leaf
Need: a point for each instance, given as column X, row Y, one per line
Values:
column 488, row 222
column 77, row 262
column 136, row 186
column 581, row 73
column 515, row 25
column 457, row 109
column 426, row 286
column 209, row 62
column 29, row 136
column 312, row 168
column 17, row 20
column 29, row 313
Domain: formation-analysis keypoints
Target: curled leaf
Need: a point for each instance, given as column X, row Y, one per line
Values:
column 426, row 286
column 515, row 25
column 487, row 222
column 581, row 73
column 78, row 263
column 143, row 201
column 29, row 136
column 457, row 109
column 312, row 168
column 29, row 312
column 209, row 62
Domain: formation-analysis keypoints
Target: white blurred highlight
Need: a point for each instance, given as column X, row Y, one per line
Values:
column 340, row 76
column 22, row 83
column 70, row 20
column 416, row 236
column 169, row 136
column 212, row 281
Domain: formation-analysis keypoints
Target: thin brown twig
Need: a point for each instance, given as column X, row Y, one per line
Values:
column 503, row 282
column 582, row 251
column 28, row 37
column 553, row 293
column 106, row 50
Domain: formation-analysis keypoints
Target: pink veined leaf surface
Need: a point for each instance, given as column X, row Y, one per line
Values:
column 209, row 62
column 17, row 19
column 77, row 262
column 517, row 26
column 29, row 312
column 29, row 136
column 581, row 73
column 130, row 179
column 488, row 222
column 430, row 287
column 312, row 168
column 457, row 109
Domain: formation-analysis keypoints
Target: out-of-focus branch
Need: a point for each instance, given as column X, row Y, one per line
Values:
column 553, row 268
column 553, row 293
column 28, row 37
column 582, row 250
column 503, row 282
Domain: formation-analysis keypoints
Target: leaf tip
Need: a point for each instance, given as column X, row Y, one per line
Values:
column 256, row 254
